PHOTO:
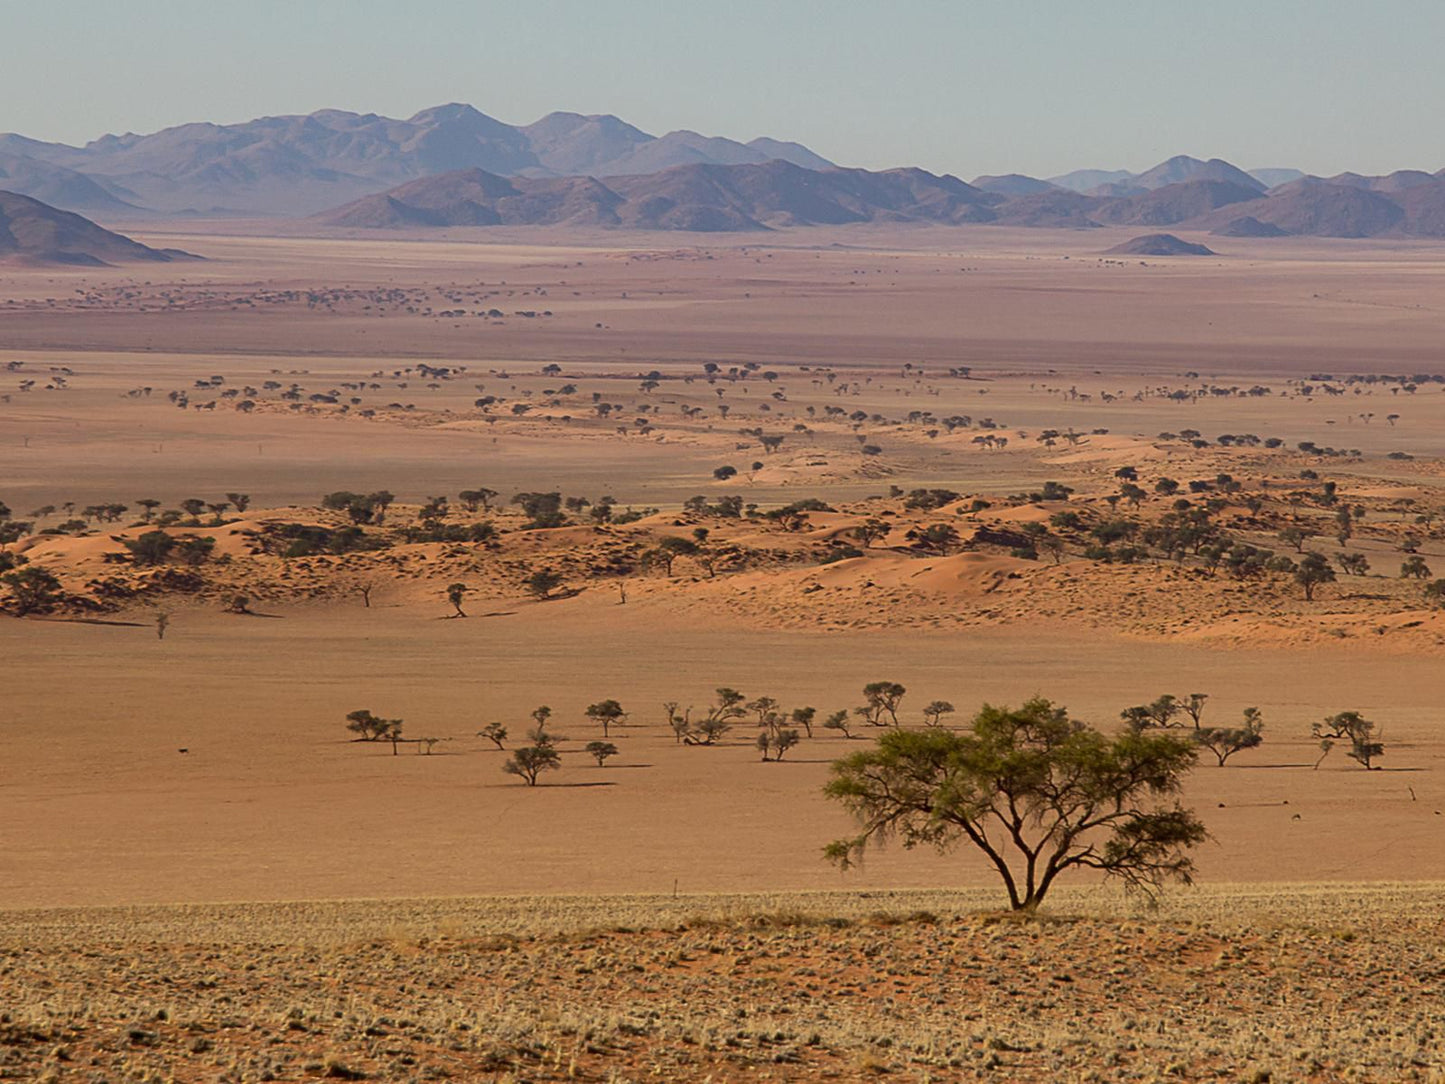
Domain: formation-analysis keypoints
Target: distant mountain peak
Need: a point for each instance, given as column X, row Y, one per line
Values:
column 295, row 165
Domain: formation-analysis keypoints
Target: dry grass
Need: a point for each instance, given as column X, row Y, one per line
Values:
column 1269, row 982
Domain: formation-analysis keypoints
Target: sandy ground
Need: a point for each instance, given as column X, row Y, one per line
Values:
column 271, row 802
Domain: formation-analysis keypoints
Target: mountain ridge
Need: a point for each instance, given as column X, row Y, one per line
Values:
column 778, row 194
column 299, row 164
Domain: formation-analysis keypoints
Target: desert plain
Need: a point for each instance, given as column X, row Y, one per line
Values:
column 204, row 877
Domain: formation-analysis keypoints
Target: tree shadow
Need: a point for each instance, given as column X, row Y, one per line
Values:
column 1262, row 767
column 571, row 592
column 99, row 621
column 562, row 786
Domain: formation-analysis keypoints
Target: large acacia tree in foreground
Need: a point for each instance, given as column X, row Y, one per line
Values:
column 1037, row 792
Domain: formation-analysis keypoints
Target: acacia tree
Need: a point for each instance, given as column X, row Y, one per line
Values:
column 838, row 721
column 870, row 531
column 776, row 739
column 371, row 727
column 679, row 721
column 456, row 592
column 1351, row 727
column 1037, row 792
column 881, row 698
column 473, row 499
column 538, row 734
column 607, row 712
column 1414, row 568
column 719, row 717
column 934, row 713
column 32, row 590
column 1225, row 741
column 531, row 761
column 1160, row 713
column 803, row 717
column 542, row 583
column 600, row 751
column 495, row 733
column 1193, row 706
column 668, row 549
column 1312, row 571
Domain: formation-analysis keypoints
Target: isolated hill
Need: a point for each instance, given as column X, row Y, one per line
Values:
column 1174, row 203
column 706, row 198
column 35, row 232
column 1158, row 244
column 297, row 165
column 1249, row 226
column 1013, row 184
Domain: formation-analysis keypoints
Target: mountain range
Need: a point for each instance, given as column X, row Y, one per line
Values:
column 453, row 165
column 779, row 194
column 297, row 165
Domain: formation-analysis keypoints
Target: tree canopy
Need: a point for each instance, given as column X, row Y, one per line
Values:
column 1036, row 791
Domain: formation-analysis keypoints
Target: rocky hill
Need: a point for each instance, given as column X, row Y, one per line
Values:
column 1158, row 244
column 35, row 233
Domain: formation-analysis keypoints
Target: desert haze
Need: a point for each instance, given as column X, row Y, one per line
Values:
column 500, row 631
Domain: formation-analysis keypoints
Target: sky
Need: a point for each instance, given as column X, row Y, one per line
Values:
column 958, row 86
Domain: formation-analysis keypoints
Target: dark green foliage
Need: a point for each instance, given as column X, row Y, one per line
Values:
column 32, row 590
column 151, row 548
column 1313, row 570
column 1037, row 792
column 542, row 509
column 1224, row 742
column 1353, row 728
column 927, row 500
column 433, row 531
column 307, row 540
column 542, row 583
column 531, row 761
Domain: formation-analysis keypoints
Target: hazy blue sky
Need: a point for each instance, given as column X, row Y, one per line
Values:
column 1037, row 86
